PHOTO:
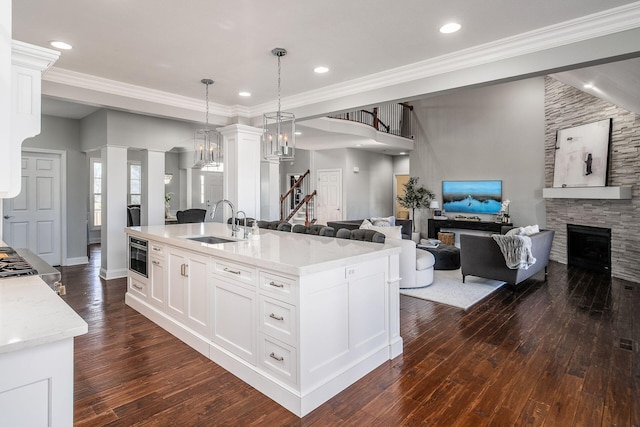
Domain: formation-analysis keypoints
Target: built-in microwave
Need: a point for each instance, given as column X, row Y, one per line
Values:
column 138, row 255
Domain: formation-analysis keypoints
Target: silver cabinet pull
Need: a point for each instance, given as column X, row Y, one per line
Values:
column 274, row 316
column 277, row 285
column 231, row 271
column 136, row 286
column 278, row 358
column 157, row 249
column 154, row 262
column 186, row 270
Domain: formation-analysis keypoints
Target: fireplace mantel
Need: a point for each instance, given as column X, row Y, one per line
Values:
column 613, row 193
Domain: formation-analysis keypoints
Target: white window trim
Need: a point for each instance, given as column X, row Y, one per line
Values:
column 129, row 163
column 92, row 161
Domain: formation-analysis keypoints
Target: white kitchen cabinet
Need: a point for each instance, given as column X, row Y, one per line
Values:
column 157, row 270
column 27, row 64
column 187, row 288
column 234, row 314
column 138, row 285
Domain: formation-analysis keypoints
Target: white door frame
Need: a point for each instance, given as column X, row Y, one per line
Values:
column 63, row 195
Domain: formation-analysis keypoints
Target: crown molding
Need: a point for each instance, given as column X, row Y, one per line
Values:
column 584, row 28
column 114, row 87
column 31, row 56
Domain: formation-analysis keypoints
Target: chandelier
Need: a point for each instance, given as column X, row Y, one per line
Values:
column 278, row 136
column 207, row 143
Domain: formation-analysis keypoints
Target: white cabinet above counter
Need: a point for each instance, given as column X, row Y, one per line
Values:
column 298, row 317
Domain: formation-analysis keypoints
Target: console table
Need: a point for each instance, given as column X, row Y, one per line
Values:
column 436, row 224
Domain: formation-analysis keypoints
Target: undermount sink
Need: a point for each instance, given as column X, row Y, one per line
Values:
column 212, row 240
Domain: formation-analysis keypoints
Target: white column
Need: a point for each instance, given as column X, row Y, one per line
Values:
column 113, row 240
column 152, row 206
column 242, row 168
column 270, row 189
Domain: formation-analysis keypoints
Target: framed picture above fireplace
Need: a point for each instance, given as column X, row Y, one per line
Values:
column 582, row 155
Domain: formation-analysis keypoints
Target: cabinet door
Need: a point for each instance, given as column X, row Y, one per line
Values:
column 196, row 283
column 176, row 292
column 156, row 281
column 234, row 321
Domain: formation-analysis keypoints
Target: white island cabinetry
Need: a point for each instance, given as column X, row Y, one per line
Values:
column 187, row 293
column 298, row 317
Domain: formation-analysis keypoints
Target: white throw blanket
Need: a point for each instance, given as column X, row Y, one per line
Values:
column 516, row 251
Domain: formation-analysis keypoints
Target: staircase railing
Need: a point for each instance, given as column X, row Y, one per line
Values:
column 395, row 118
column 296, row 198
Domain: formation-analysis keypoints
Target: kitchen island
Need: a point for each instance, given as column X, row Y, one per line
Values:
column 37, row 329
column 298, row 317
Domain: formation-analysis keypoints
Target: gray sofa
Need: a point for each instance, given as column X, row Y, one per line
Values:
column 480, row 256
column 354, row 224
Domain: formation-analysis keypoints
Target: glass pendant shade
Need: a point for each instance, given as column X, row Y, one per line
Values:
column 207, row 143
column 278, row 135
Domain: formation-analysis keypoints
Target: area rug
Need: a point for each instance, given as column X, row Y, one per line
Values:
column 447, row 288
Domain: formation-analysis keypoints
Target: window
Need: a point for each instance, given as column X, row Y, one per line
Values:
column 96, row 193
column 135, row 183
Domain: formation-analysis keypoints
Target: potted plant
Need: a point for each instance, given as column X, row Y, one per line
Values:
column 415, row 197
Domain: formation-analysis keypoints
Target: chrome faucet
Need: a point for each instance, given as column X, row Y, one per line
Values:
column 247, row 232
column 234, row 226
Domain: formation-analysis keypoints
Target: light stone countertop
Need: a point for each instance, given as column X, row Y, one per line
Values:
column 286, row 252
column 31, row 314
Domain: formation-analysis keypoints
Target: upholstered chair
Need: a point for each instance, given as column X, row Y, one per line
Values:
column 189, row 216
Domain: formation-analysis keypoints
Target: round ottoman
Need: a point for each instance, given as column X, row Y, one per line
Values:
column 447, row 257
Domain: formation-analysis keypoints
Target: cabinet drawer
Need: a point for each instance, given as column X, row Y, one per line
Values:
column 137, row 287
column 279, row 359
column 281, row 287
column 237, row 272
column 278, row 319
column 156, row 249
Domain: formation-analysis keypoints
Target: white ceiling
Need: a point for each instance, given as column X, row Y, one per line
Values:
column 169, row 46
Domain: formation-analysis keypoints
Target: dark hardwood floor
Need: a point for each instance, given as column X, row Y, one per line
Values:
column 558, row 353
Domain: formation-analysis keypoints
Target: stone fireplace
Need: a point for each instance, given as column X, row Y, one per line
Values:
column 589, row 247
column 566, row 106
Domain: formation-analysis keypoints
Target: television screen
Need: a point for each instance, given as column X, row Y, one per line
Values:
column 479, row 197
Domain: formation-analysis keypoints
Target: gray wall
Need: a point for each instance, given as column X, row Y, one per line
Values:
column 495, row 132
column 64, row 134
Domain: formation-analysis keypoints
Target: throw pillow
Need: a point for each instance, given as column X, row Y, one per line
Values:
column 389, row 232
column 531, row 229
column 515, row 231
column 366, row 224
column 389, row 221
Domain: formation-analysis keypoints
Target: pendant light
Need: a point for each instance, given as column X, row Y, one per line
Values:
column 278, row 136
column 207, row 143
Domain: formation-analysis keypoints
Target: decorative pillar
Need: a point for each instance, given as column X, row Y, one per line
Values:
column 113, row 240
column 270, row 189
column 241, row 176
column 152, row 206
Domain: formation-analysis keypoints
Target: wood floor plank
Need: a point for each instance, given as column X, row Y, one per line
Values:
column 545, row 353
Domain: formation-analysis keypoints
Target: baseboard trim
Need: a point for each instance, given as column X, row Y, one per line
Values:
column 76, row 261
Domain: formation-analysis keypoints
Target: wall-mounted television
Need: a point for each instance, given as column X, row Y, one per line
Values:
column 479, row 197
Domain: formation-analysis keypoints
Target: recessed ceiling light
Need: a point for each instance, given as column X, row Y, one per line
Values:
column 589, row 86
column 61, row 45
column 451, row 27
column 358, row 145
column 298, row 132
column 402, row 153
column 245, row 94
column 321, row 70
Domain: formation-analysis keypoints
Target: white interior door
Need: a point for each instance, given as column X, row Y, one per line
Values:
column 329, row 202
column 32, row 218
